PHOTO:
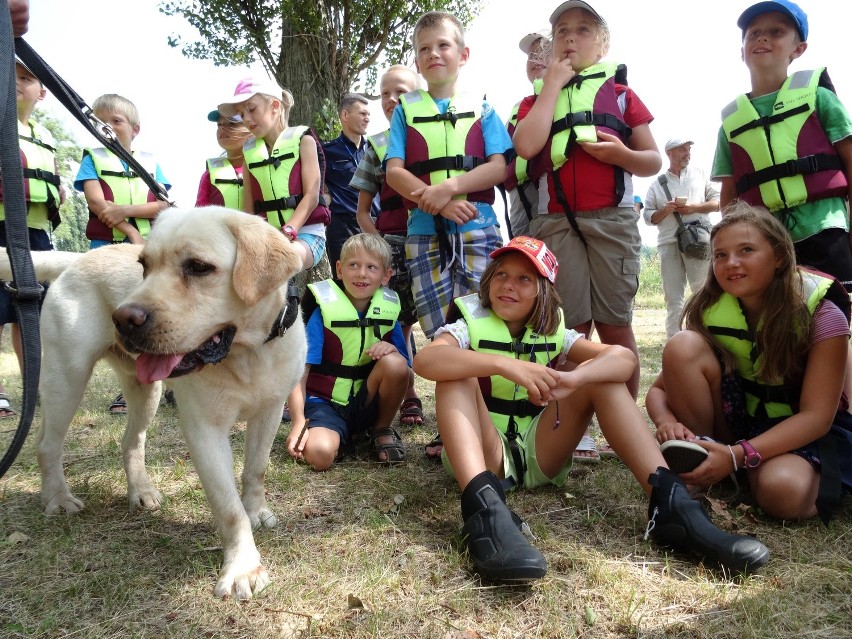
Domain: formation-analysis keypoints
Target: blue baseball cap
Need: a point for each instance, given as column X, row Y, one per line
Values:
column 790, row 9
column 214, row 116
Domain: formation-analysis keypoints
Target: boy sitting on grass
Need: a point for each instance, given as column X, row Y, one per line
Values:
column 357, row 368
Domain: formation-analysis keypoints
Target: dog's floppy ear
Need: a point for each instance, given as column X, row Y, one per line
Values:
column 265, row 259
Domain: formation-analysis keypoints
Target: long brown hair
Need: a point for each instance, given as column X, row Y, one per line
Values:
column 544, row 317
column 782, row 333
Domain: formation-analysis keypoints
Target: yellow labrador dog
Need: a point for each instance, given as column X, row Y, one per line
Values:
column 205, row 304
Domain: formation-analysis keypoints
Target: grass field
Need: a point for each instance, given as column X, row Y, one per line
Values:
column 364, row 551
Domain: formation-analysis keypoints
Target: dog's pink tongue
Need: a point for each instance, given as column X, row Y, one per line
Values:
column 151, row 368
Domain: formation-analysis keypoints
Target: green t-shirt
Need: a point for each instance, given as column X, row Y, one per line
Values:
column 811, row 217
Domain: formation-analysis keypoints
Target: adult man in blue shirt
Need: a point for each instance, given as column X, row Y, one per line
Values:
column 342, row 156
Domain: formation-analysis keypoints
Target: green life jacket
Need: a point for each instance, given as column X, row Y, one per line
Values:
column 727, row 323
column 443, row 145
column 516, row 171
column 509, row 405
column 280, row 194
column 125, row 186
column 588, row 102
column 224, row 178
column 784, row 159
column 347, row 336
column 41, row 180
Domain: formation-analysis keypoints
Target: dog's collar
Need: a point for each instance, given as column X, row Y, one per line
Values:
column 288, row 314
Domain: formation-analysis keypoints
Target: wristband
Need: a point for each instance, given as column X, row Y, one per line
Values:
column 733, row 459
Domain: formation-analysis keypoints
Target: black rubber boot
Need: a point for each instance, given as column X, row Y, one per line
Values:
column 498, row 549
column 677, row 520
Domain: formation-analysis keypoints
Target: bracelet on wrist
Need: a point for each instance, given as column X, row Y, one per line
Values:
column 733, row 458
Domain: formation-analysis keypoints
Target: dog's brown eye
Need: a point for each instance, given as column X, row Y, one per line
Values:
column 197, row 267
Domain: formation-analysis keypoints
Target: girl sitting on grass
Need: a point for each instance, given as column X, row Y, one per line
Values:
column 509, row 416
column 760, row 368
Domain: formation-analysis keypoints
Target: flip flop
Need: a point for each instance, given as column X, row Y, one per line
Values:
column 606, row 451
column 6, row 410
column 586, row 445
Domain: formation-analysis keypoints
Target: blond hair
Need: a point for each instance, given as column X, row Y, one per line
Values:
column 114, row 103
column 372, row 244
column 401, row 68
column 782, row 332
column 434, row 19
column 544, row 317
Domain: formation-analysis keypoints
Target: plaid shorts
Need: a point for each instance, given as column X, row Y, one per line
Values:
column 434, row 289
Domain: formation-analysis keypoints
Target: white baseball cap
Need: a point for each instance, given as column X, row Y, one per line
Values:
column 676, row 142
column 530, row 39
column 246, row 89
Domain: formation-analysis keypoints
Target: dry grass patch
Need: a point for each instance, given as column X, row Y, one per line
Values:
column 363, row 551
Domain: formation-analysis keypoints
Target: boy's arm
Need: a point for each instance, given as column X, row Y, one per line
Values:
column 728, row 191
column 132, row 233
column 533, row 131
column 362, row 215
column 434, row 199
column 113, row 214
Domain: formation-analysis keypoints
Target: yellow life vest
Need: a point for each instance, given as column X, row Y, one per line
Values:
column 345, row 364
column 224, row 178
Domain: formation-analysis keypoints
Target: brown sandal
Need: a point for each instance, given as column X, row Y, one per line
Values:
column 393, row 450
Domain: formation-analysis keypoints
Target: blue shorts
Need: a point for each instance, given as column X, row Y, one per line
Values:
column 39, row 241
column 355, row 418
column 316, row 244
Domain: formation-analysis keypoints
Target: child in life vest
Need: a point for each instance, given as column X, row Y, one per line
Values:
column 586, row 134
column 510, row 415
column 43, row 194
column 445, row 156
column 357, row 366
column 121, row 206
column 759, row 368
column 797, row 162
column 222, row 181
column 285, row 166
column 392, row 221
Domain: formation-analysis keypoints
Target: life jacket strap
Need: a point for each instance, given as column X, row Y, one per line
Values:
column 41, row 174
column 448, row 163
column 450, row 116
column 521, row 408
column 581, row 118
column 275, row 160
column 279, row 204
column 40, row 143
column 237, row 181
column 343, row 371
column 800, row 166
column 767, row 120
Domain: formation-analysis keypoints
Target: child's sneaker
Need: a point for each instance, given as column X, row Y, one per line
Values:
column 682, row 456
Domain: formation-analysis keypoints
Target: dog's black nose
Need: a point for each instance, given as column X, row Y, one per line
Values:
column 129, row 319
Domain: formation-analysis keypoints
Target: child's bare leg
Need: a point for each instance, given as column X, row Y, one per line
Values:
column 692, row 377
column 321, row 448
column 304, row 252
column 388, row 379
column 785, row 487
column 470, row 439
column 623, row 336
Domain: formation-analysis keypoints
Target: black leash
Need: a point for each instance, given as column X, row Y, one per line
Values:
column 24, row 288
column 83, row 112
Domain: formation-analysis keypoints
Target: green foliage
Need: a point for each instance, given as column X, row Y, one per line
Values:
column 316, row 48
column 650, row 293
column 71, row 234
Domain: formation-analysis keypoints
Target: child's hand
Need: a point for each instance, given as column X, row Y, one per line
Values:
column 558, row 73
column 112, row 214
column 378, row 350
column 298, row 437
column 715, row 468
column 569, row 381
column 460, row 211
column 539, row 380
column 433, row 198
column 609, row 148
column 674, row 430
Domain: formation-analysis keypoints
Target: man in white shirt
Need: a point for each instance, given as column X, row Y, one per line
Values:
column 663, row 200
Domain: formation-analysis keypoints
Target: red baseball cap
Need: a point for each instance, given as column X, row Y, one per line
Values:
column 537, row 253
